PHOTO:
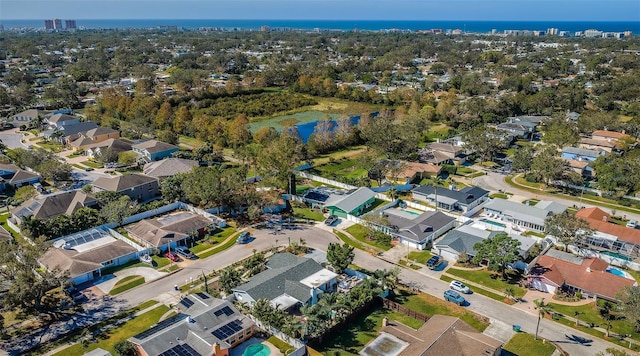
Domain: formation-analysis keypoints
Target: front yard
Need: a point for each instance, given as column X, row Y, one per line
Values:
column 483, row 277
column 523, row 344
column 362, row 233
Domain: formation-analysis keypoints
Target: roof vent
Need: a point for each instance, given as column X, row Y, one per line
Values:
column 588, row 269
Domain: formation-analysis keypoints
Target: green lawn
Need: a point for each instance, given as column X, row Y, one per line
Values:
column 419, row 256
column 375, row 205
column 281, row 345
column 483, row 277
column 307, row 213
column 360, row 233
column 523, row 344
column 499, row 196
column 214, row 240
column 107, row 340
column 126, row 283
column 486, row 293
column 217, row 249
column 346, row 239
column 345, row 168
column 92, row 164
column 589, row 315
column 362, row 330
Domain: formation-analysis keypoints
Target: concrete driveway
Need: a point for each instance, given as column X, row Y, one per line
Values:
column 148, row 273
column 12, row 139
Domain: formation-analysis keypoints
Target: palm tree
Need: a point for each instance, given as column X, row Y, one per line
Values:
column 576, row 314
column 543, row 310
column 509, row 292
column 392, row 193
column 606, row 314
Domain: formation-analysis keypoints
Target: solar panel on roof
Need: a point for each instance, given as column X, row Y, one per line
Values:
column 226, row 311
column 202, row 295
column 227, row 330
column 160, row 326
column 181, row 350
column 187, row 302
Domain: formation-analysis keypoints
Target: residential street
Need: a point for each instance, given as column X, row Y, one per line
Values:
column 317, row 238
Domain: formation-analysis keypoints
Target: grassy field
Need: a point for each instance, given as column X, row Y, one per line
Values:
column 483, row 277
column 360, row 233
column 126, row 283
column 307, row 213
column 523, row 344
column 346, row 239
column 108, row 339
column 92, row 164
column 362, row 330
column 346, row 168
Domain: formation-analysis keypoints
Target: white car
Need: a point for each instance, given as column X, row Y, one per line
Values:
column 458, row 286
column 632, row 224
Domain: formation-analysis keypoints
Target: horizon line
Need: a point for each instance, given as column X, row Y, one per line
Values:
column 333, row 20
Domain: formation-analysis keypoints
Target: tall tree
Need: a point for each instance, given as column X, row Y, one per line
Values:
column 499, row 250
column 239, row 133
column 547, row 166
column 340, row 256
column 567, row 229
column 485, row 142
column 543, row 310
column 630, row 305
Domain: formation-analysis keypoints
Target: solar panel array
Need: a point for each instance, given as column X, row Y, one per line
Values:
column 226, row 311
column 181, row 350
column 202, row 295
column 160, row 326
column 187, row 302
column 316, row 196
column 227, row 330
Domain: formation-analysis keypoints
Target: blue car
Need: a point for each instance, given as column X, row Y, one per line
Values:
column 454, row 297
column 244, row 238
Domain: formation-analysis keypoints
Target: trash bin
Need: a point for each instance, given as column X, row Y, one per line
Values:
column 175, row 287
column 516, row 328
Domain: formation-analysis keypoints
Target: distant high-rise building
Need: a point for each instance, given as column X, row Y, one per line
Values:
column 265, row 28
column 552, row 31
column 48, row 24
column 70, row 24
column 57, row 24
column 592, row 33
column 1, row 27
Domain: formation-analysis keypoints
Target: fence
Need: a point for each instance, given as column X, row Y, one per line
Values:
column 406, row 311
column 300, row 347
column 326, row 181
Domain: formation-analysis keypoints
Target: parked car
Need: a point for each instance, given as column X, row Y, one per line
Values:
column 88, row 169
column 434, row 262
column 632, row 224
column 454, row 297
column 185, row 252
column 172, row 256
column 244, row 237
column 458, row 286
column 331, row 219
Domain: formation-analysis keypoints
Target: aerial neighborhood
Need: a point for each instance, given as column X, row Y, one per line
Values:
column 286, row 192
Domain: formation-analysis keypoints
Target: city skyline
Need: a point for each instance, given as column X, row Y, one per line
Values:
column 468, row 10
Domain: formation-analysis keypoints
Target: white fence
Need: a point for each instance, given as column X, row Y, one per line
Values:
column 326, row 181
column 118, row 236
column 300, row 348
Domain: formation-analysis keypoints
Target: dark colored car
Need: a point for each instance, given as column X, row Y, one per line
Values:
column 331, row 219
column 244, row 238
column 454, row 297
column 185, row 252
column 434, row 262
column 172, row 256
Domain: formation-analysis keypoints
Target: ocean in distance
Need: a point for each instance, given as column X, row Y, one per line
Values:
column 347, row 25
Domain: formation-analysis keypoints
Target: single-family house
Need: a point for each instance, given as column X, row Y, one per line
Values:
column 597, row 144
column 414, row 229
column 560, row 271
column 7, row 170
column 117, row 145
column 522, row 129
column 22, row 178
column 526, row 216
column 581, row 154
column 26, row 117
column 84, row 255
column 99, row 134
column 138, row 187
column 462, row 200
column 354, row 203
column 169, row 167
column 414, row 172
column 288, row 282
column 168, row 230
column 52, row 205
column 580, row 167
column 204, row 325
column 439, row 153
column 58, row 120
column 435, row 157
column 440, row 335
column 69, row 133
column 608, row 135
column 461, row 241
column 154, row 150
column 608, row 235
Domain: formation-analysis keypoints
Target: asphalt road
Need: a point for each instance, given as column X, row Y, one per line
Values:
column 12, row 140
column 99, row 308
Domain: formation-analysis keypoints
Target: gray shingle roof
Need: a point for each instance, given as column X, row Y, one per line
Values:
column 465, row 196
column 153, row 146
column 535, row 214
column 48, row 206
column 582, row 151
column 283, row 275
column 123, row 182
column 421, row 227
column 169, row 166
column 352, row 201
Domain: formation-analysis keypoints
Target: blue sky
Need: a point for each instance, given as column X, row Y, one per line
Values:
column 498, row 10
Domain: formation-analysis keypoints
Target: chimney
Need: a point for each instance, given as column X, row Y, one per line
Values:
column 588, row 269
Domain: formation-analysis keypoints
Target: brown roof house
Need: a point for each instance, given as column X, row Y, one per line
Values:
column 169, row 167
column 415, row 171
column 137, row 186
column 440, row 335
column 94, row 135
column 117, row 145
column 593, row 277
column 608, row 235
column 22, row 178
column 84, row 255
column 50, row 206
column 173, row 228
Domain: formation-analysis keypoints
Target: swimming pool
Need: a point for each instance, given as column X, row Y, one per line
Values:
column 618, row 272
column 616, row 255
column 494, row 223
column 257, row 350
column 410, row 212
